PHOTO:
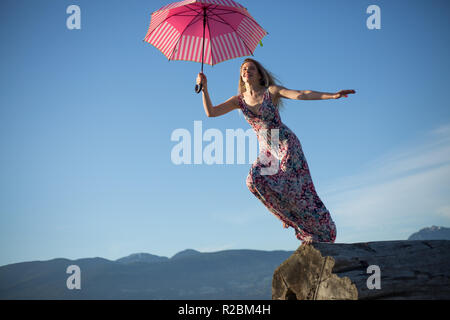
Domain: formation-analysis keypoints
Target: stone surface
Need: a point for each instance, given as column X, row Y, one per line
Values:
column 407, row 270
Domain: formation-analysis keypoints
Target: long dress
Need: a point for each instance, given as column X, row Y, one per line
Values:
column 280, row 177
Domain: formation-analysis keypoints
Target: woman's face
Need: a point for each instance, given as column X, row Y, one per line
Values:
column 250, row 73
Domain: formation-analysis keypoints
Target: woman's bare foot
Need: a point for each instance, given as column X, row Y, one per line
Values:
column 307, row 241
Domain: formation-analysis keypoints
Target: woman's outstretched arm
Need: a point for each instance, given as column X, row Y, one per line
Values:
column 207, row 104
column 219, row 110
column 309, row 94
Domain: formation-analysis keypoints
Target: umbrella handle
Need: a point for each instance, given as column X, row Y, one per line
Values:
column 198, row 88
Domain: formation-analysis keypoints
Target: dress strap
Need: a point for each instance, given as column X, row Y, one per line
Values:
column 269, row 96
column 243, row 104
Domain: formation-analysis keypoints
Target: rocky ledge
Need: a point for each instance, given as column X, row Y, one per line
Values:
column 373, row 270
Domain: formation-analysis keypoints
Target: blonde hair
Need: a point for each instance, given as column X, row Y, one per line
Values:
column 267, row 79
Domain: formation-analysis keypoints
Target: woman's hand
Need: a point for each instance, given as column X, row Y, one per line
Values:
column 201, row 78
column 344, row 93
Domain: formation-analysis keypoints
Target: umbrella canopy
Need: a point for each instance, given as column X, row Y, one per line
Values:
column 206, row 31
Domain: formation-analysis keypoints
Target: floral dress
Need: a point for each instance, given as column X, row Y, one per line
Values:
column 280, row 176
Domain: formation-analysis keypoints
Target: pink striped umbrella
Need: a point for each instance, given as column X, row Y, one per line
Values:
column 206, row 31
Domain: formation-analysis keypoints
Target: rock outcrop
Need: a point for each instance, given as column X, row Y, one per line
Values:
column 373, row 270
column 431, row 233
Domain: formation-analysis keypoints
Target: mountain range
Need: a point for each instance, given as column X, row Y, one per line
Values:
column 188, row 275
column 229, row 274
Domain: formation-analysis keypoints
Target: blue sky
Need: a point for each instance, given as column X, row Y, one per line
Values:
column 86, row 118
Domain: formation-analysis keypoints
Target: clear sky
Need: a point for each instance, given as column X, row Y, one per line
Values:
column 86, row 118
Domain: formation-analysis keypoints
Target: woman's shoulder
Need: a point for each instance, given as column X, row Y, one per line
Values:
column 274, row 89
column 236, row 100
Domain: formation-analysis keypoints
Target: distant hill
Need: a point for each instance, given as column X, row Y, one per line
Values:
column 185, row 253
column 142, row 257
column 431, row 233
column 230, row 274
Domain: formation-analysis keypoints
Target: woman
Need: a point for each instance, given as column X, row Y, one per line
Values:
column 288, row 192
